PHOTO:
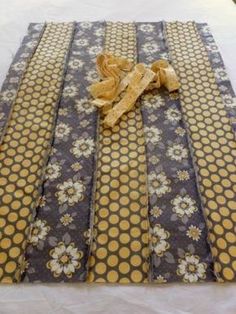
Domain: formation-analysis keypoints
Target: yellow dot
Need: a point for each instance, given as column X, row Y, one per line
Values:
column 5, row 243
column 14, row 252
column 113, row 246
column 3, row 257
column 228, row 273
column 221, row 243
column 135, row 260
column 10, row 267
column 101, row 253
column 124, row 252
column 112, row 276
column 124, row 267
column 136, row 276
column 100, row 268
column 112, row 260
column 232, row 251
column 224, row 258
column 230, row 237
column 124, row 238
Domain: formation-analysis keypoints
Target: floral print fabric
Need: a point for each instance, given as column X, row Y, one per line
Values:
column 59, row 242
column 178, row 232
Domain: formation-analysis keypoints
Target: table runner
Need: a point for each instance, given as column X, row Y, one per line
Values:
column 66, row 235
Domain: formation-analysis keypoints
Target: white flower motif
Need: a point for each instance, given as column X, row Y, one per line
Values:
column 82, row 147
column 177, row 152
column 76, row 64
column 158, row 242
column 94, row 50
column 173, row 115
column 70, row 91
column 152, row 134
column 66, row 219
column 99, row 32
column 156, row 212
column 38, row 26
column 62, row 130
column 82, row 42
column 65, row 260
column 52, row 171
column 183, row 175
column 229, row 101
column 160, row 279
column 152, row 101
column 70, row 192
column 194, row 233
column 146, row 28
column 158, row 184
column 184, row 205
column 221, row 74
column 39, row 231
column 84, row 105
column 85, row 25
column 191, row 268
column 18, row 66
column 150, row 47
column 31, row 44
column 92, row 76
column 8, row 94
column 180, row 131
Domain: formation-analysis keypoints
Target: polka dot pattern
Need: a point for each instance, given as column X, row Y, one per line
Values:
column 26, row 145
column 212, row 140
column 120, row 249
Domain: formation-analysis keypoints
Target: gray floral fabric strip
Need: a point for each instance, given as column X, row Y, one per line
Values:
column 178, row 234
column 15, row 72
column 59, row 242
column 222, row 79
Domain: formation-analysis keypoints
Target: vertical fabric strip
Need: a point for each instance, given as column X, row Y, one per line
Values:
column 26, row 144
column 222, row 79
column 212, row 141
column 15, row 73
column 58, row 244
column 120, row 248
column 178, row 237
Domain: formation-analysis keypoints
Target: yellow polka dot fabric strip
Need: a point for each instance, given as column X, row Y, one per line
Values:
column 120, row 248
column 26, row 145
column 212, row 141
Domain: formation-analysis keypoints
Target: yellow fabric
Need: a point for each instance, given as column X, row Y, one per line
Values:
column 120, row 249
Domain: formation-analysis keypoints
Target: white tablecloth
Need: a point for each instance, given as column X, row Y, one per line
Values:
column 15, row 15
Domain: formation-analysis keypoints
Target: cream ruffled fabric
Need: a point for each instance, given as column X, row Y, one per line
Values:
column 120, row 75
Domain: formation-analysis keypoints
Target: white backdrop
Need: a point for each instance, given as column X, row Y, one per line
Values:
column 15, row 15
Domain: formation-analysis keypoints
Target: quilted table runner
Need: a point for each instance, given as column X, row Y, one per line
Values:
column 117, row 156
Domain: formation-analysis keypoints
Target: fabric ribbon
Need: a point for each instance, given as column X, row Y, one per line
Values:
column 119, row 75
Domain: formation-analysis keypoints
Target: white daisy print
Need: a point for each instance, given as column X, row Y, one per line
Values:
column 191, row 269
column 177, row 152
column 70, row 192
column 158, row 241
column 152, row 134
column 158, row 184
column 39, row 231
column 65, row 260
column 82, row 147
column 184, row 205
